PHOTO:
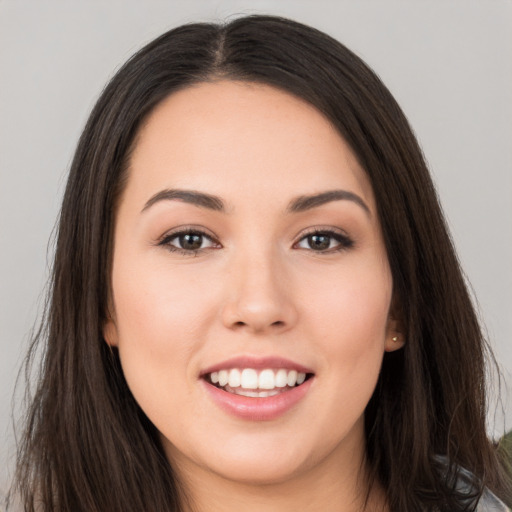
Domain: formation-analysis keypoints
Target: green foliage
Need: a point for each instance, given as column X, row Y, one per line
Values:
column 505, row 444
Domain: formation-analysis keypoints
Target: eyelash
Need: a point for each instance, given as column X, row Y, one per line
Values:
column 168, row 238
column 344, row 242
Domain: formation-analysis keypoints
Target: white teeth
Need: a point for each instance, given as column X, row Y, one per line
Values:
column 223, row 378
column 266, row 379
column 292, row 378
column 243, row 392
column 234, row 378
column 281, row 378
column 255, row 394
column 249, row 379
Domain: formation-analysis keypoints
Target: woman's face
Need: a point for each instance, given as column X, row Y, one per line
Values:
column 248, row 249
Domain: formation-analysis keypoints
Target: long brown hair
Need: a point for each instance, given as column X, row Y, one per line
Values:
column 87, row 444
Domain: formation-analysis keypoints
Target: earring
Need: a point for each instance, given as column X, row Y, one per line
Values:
column 395, row 338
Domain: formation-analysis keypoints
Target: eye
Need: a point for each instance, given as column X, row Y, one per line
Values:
column 188, row 242
column 325, row 241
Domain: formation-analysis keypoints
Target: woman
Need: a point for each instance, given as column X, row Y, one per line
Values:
column 256, row 303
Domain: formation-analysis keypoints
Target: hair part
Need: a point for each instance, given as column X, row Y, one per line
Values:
column 88, row 445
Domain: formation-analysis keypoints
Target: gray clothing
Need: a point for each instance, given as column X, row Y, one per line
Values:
column 490, row 503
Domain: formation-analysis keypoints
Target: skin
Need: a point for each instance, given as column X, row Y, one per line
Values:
column 256, row 288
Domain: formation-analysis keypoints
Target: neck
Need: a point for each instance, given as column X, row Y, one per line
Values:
column 329, row 485
column 319, row 494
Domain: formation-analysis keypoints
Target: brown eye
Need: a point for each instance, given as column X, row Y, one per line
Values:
column 325, row 241
column 190, row 241
column 319, row 242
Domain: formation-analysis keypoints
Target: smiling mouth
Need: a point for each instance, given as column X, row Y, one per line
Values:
column 257, row 383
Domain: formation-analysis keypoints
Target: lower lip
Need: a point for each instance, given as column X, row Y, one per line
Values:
column 258, row 408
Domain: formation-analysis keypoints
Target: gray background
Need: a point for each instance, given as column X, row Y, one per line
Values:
column 447, row 62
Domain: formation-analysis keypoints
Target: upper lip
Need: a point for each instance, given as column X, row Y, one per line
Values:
column 258, row 363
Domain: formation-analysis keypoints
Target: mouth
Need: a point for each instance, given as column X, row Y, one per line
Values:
column 257, row 388
column 257, row 383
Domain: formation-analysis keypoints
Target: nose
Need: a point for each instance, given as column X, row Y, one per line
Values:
column 259, row 296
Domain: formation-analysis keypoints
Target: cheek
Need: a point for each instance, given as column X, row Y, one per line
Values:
column 348, row 321
column 351, row 305
column 160, row 304
column 161, row 321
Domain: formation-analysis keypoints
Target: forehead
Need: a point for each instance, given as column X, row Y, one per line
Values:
column 225, row 132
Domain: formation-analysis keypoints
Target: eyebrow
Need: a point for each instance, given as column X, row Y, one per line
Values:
column 200, row 199
column 303, row 203
column 215, row 203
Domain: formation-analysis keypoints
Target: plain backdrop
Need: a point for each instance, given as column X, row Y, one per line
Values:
column 448, row 63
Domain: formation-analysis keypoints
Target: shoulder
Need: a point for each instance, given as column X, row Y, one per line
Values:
column 466, row 484
column 490, row 503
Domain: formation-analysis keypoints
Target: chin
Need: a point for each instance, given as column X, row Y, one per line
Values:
column 244, row 459
column 260, row 472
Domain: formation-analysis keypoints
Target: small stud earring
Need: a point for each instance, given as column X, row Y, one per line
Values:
column 395, row 338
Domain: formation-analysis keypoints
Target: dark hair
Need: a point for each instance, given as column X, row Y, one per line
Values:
column 89, row 447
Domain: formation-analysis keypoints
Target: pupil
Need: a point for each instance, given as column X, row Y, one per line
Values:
column 191, row 241
column 319, row 242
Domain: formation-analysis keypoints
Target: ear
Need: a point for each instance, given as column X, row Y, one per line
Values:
column 395, row 338
column 110, row 334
